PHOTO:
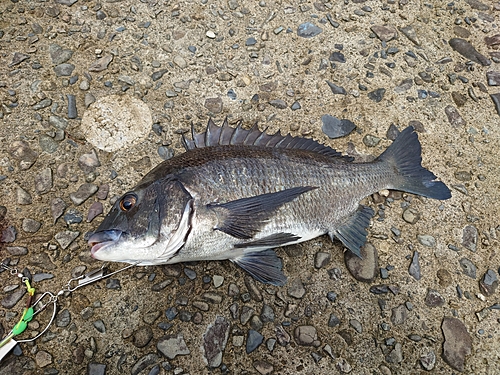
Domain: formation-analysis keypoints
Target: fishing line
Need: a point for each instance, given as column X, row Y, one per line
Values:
column 47, row 299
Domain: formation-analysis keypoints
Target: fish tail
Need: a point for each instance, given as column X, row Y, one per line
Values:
column 404, row 154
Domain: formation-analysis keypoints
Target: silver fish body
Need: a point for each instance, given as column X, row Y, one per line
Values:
column 236, row 194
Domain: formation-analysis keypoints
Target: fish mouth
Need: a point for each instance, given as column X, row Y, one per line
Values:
column 102, row 239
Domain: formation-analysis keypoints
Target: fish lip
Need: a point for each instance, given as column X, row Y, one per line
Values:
column 102, row 239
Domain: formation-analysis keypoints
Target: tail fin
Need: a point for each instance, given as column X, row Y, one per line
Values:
column 405, row 155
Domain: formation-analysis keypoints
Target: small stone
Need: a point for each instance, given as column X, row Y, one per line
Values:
column 333, row 321
column 84, row 192
column 210, row 34
column 23, row 197
column 296, row 289
column 95, row 209
column 96, row 369
column 142, row 336
column 370, row 140
column 63, row 319
column 399, row 315
column 278, row 103
column 454, row 117
column 64, row 70
column 493, row 78
column 444, row 277
column 468, row 268
column 214, row 341
column 17, row 250
column 43, row 181
column 158, row 75
column 58, row 122
column 459, row 98
column 428, row 360
column 433, row 298
column 8, row 234
column 171, row 346
column 457, row 343
column 308, row 30
column 267, row 314
column 59, row 55
column 338, row 90
column 262, row 367
column 218, row 280
column 12, row 299
column 142, row 364
column 180, row 62
column 306, row 336
column 252, row 288
column 411, row 215
column 476, row 4
column 43, row 358
column 496, row 101
column 57, row 207
column 377, row 95
column 468, row 51
column 395, row 355
column 321, row 259
column 101, row 64
column 364, row 268
column 18, row 58
column 89, row 162
column 254, row 339
column 410, row 33
column 404, row 86
column 65, row 238
column 354, row 323
column 426, row 240
column 99, row 326
column 492, row 40
column 469, row 238
column 214, row 105
column 336, row 128
column 385, row 33
column 414, row 269
column 30, row 225
column 282, row 336
column 489, row 283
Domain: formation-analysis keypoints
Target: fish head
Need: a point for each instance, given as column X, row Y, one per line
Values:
column 147, row 225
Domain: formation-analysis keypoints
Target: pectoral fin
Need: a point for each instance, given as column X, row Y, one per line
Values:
column 274, row 240
column 243, row 218
column 263, row 266
column 352, row 233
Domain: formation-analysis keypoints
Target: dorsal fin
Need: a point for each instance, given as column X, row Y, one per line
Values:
column 226, row 135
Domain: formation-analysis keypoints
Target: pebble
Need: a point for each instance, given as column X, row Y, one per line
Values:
column 246, row 314
column 395, row 355
column 468, row 51
column 43, row 181
column 377, row 95
column 73, row 216
column 454, row 117
column 17, row 250
column 12, row 299
column 84, row 192
column 267, row 314
column 30, row 225
column 385, row 33
column 58, row 122
column 95, row 210
column 428, row 360
column 306, row 336
column 469, row 238
column 296, row 288
column 37, row 277
column 468, row 267
column 214, row 105
column 336, row 128
column 252, row 288
column 143, row 363
column 172, row 345
column 263, row 367
column 57, row 207
column 399, row 315
column 496, row 101
column 43, row 358
column 96, row 369
column 321, row 259
column 414, row 269
column 308, row 30
column 18, row 58
column 457, row 343
column 370, row 140
column 65, row 238
column 364, row 268
column 333, row 321
column 101, row 64
column 23, row 197
column 426, row 240
column 354, row 323
column 215, row 340
column 489, row 283
column 278, row 103
column 64, row 70
column 411, row 215
column 218, row 281
column 338, row 90
column 433, row 298
column 254, row 339
column 142, row 336
column 63, row 319
column 410, row 33
column 99, row 326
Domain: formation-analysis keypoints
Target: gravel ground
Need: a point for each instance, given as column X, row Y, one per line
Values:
column 424, row 299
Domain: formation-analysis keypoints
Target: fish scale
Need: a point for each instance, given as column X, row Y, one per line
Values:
column 236, row 194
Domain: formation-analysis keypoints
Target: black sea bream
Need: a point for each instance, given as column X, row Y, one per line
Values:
column 236, row 194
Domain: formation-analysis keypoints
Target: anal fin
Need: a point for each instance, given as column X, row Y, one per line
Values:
column 263, row 266
column 352, row 233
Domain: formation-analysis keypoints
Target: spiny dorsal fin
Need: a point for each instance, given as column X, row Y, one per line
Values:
column 226, row 135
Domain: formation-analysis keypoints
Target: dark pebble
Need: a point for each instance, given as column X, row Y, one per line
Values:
column 10, row 300
column 468, row 268
column 72, row 111
column 333, row 321
column 96, row 369
column 337, row 57
column 377, row 95
column 142, row 336
column 63, row 319
column 454, row 117
column 414, row 269
column 278, row 103
column 295, row 106
column 99, row 325
column 64, row 70
column 496, row 101
column 308, row 30
column 254, row 339
column 468, row 51
column 336, row 89
column 73, row 216
column 457, row 343
column 157, row 75
column 469, row 237
column 489, row 283
column 215, row 340
column 433, row 298
column 113, row 284
column 335, row 128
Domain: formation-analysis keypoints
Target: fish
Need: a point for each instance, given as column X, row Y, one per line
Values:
column 237, row 194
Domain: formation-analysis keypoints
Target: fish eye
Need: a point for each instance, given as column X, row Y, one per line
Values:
column 128, row 202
